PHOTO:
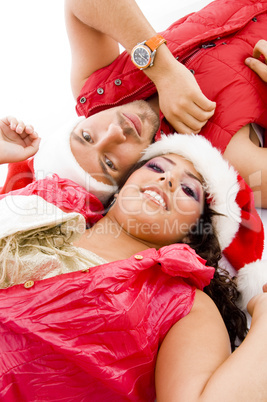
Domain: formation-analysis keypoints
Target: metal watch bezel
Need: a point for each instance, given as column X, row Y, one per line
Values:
column 149, row 53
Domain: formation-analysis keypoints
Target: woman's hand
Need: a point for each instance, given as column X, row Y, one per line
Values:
column 17, row 140
column 257, row 65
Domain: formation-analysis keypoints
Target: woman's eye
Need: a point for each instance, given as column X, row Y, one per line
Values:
column 154, row 166
column 190, row 192
column 87, row 136
column 109, row 163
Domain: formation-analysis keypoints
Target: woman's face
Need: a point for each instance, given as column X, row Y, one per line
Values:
column 161, row 201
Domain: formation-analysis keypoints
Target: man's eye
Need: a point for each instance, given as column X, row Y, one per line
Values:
column 87, row 136
column 109, row 163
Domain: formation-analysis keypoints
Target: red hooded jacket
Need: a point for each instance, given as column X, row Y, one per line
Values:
column 213, row 43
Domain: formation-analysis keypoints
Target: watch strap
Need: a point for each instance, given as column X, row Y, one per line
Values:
column 154, row 42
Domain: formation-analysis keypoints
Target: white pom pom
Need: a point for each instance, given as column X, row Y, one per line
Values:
column 250, row 281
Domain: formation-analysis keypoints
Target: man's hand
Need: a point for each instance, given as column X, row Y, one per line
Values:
column 183, row 104
column 257, row 65
column 181, row 100
column 17, row 140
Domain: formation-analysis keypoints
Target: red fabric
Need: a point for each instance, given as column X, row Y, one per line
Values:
column 64, row 193
column 19, row 175
column 95, row 336
column 240, row 95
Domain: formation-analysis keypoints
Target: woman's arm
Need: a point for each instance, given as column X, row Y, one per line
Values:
column 195, row 364
column 95, row 27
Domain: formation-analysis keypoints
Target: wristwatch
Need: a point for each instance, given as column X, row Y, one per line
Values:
column 143, row 54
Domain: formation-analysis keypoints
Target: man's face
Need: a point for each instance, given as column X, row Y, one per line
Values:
column 109, row 143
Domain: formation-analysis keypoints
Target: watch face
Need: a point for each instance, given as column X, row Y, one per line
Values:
column 141, row 56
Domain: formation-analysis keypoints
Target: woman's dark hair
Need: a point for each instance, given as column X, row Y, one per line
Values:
column 123, row 180
column 222, row 288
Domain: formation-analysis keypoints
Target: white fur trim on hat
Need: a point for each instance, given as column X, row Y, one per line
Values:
column 55, row 156
column 220, row 178
column 250, row 280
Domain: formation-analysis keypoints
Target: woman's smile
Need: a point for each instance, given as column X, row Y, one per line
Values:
column 155, row 195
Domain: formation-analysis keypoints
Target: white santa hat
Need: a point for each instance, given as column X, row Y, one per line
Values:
column 239, row 227
column 55, row 156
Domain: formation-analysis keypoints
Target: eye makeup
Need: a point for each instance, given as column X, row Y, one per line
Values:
column 160, row 164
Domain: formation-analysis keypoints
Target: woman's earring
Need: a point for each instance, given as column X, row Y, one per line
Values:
column 114, row 200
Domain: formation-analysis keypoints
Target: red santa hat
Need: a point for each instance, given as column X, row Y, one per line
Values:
column 238, row 227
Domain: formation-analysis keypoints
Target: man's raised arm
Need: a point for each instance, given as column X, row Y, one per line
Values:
column 95, row 27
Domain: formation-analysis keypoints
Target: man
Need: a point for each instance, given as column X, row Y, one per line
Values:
column 95, row 152
column 108, row 143
column 96, row 27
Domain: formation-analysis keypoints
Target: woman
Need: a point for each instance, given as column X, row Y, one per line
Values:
column 95, row 335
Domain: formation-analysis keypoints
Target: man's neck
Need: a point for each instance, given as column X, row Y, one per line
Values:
column 154, row 102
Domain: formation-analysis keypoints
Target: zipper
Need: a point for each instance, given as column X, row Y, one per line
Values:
column 188, row 58
column 208, row 45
